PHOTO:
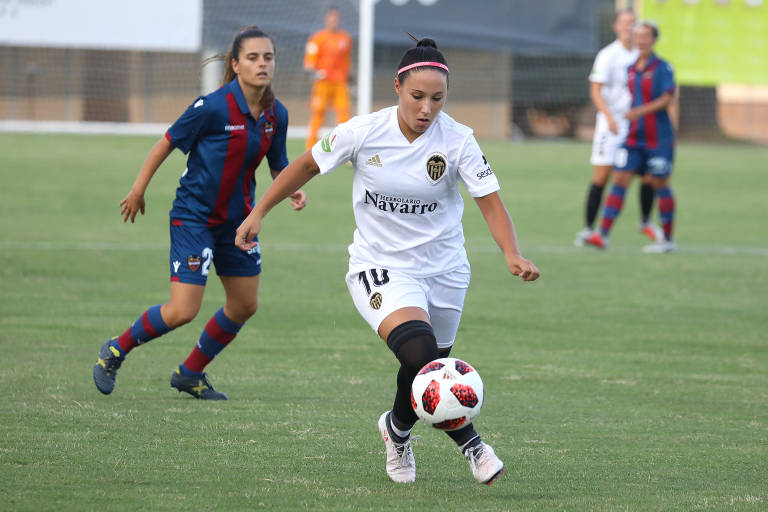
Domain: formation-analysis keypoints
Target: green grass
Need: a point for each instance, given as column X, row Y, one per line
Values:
column 618, row 381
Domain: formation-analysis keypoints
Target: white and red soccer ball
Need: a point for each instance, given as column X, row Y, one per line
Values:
column 447, row 393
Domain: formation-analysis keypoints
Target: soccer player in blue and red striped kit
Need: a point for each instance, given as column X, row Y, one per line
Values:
column 650, row 143
column 226, row 135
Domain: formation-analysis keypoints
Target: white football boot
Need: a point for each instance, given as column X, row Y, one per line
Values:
column 401, row 466
column 484, row 463
column 581, row 237
column 661, row 247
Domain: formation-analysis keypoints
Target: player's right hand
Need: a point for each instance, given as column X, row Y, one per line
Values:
column 132, row 204
column 246, row 232
column 612, row 125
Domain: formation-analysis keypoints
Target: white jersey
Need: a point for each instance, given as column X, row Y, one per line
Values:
column 405, row 196
column 611, row 70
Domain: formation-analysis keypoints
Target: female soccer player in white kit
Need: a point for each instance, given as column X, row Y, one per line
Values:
column 408, row 270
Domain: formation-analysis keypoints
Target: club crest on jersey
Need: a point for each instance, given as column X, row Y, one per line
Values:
column 193, row 262
column 376, row 300
column 269, row 128
column 436, row 167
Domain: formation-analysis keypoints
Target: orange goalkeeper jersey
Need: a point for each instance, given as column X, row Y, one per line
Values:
column 329, row 52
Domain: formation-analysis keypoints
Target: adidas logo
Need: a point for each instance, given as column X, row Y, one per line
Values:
column 374, row 160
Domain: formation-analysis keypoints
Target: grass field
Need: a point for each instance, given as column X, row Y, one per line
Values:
column 618, row 381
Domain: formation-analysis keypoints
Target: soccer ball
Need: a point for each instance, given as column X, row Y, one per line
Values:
column 447, row 393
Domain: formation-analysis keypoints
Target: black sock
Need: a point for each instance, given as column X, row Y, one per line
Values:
column 414, row 344
column 646, row 202
column 465, row 437
column 594, row 198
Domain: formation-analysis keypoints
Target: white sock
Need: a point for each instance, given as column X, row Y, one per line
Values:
column 399, row 433
column 465, row 445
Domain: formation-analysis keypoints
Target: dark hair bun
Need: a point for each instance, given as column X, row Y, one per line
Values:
column 427, row 42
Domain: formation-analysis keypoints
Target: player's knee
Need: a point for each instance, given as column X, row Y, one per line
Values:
column 250, row 307
column 413, row 343
column 175, row 316
column 242, row 310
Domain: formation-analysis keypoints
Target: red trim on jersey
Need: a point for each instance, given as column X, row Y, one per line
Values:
column 215, row 331
column 168, row 136
column 176, row 222
column 634, row 125
column 651, row 128
column 233, row 162
column 148, row 326
column 266, row 141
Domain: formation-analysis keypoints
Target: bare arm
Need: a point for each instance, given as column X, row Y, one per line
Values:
column 503, row 232
column 660, row 103
column 599, row 102
column 289, row 180
column 298, row 198
column 134, row 201
column 674, row 110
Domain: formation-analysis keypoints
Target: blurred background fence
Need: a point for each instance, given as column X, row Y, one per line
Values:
column 518, row 68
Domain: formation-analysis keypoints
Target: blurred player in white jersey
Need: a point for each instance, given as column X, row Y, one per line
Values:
column 408, row 270
column 609, row 92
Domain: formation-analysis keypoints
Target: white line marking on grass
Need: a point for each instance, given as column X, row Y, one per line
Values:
column 710, row 250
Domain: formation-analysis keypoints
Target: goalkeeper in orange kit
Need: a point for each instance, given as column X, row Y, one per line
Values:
column 327, row 56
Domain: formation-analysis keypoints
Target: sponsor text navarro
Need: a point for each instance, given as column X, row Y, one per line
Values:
column 398, row 204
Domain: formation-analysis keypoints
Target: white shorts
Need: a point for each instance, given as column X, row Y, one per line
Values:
column 379, row 292
column 605, row 143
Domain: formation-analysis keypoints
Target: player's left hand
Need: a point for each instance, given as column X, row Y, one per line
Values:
column 299, row 200
column 632, row 114
column 523, row 268
column 247, row 231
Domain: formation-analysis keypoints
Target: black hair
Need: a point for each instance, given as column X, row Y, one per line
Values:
column 651, row 25
column 252, row 31
column 424, row 51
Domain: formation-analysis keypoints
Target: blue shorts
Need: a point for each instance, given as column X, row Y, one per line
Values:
column 641, row 160
column 195, row 246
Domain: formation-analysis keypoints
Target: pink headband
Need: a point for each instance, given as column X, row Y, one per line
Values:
column 422, row 64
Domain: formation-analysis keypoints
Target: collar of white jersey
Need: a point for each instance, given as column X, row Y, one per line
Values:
column 396, row 125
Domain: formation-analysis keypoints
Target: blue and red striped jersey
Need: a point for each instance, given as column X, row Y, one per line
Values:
column 654, row 130
column 225, row 146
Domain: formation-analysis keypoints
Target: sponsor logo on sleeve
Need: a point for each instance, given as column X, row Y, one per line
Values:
column 329, row 142
column 484, row 173
column 198, row 103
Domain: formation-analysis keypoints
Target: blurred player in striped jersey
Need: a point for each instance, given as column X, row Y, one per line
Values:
column 226, row 134
column 650, row 144
column 610, row 95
